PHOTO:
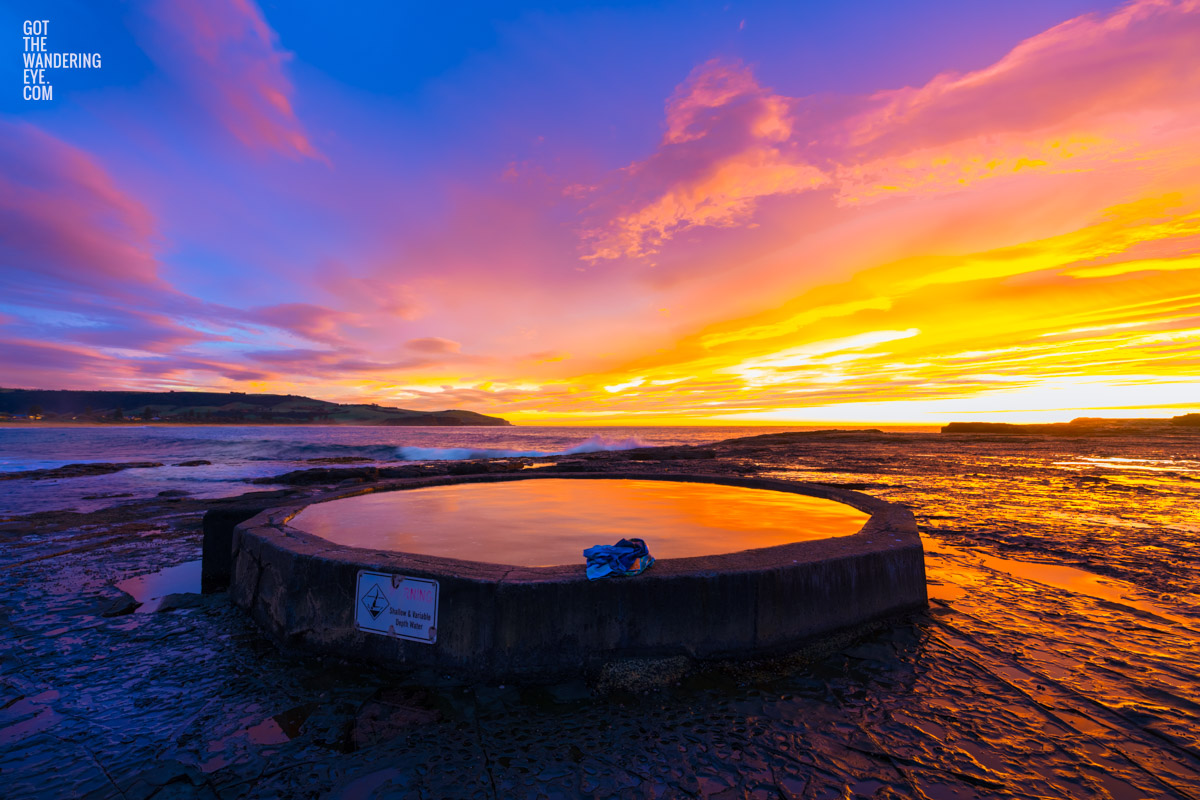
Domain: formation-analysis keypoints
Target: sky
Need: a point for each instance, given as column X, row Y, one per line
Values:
column 629, row 213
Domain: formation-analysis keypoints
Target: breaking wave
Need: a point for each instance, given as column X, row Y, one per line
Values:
column 39, row 449
column 593, row 445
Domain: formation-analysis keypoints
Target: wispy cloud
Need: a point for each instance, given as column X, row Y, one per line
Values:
column 63, row 218
column 226, row 58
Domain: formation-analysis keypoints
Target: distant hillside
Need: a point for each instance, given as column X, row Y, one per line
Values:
column 1085, row 426
column 231, row 408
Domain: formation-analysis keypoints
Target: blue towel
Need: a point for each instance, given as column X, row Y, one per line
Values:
column 626, row 557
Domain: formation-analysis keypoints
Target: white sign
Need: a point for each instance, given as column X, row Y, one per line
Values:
column 405, row 608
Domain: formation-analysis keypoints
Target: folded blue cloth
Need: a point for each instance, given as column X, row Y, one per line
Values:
column 626, row 557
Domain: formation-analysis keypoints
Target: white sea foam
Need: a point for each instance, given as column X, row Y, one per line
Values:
column 595, row 444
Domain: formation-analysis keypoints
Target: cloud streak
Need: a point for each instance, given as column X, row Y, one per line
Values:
column 226, row 57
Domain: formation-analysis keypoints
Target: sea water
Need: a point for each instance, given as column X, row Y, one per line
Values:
column 239, row 453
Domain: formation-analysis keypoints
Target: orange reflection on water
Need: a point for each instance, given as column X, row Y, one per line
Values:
column 551, row 521
column 948, row 581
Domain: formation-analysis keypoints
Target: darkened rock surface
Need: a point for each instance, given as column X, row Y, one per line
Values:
column 119, row 606
column 391, row 713
column 669, row 453
column 196, row 462
column 75, row 471
column 173, row 602
column 333, row 475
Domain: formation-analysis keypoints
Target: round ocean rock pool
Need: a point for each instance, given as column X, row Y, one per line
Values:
column 542, row 523
column 484, row 575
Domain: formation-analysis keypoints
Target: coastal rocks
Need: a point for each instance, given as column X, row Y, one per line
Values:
column 391, row 713
column 76, row 471
column 346, row 476
column 773, row 441
column 173, row 493
column 120, row 605
column 197, row 462
column 641, row 675
column 166, row 780
column 180, row 600
column 481, row 467
column 571, row 465
column 317, row 475
column 680, row 453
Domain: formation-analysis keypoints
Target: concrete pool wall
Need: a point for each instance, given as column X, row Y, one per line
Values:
column 496, row 621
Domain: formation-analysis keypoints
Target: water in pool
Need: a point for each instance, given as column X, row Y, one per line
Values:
column 550, row 521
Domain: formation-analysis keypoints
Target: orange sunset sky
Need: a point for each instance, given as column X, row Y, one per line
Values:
column 768, row 220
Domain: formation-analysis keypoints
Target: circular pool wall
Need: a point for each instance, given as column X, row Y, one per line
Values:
column 355, row 595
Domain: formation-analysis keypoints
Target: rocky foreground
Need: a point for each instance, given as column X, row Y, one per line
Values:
column 1025, row 678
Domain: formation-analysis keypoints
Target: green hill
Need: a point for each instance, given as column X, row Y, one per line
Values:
column 224, row 408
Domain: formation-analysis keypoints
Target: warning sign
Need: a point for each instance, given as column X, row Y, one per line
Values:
column 395, row 605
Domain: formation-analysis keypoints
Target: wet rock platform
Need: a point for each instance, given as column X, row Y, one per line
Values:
column 1012, row 684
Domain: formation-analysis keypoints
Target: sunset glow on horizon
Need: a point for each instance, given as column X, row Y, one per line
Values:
column 576, row 217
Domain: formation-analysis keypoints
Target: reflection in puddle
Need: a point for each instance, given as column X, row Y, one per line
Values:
column 290, row 721
column 281, row 728
column 267, row 732
column 1184, row 466
column 149, row 590
column 27, row 716
column 1058, row 576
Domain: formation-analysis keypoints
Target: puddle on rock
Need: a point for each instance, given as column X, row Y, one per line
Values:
column 149, row 590
column 27, row 716
column 274, row 730
column 293, row 719
column 1058, row 576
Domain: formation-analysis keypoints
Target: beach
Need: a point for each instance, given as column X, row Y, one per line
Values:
column 1057, row 658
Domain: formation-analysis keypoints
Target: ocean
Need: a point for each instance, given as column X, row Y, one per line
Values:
column 242, row 452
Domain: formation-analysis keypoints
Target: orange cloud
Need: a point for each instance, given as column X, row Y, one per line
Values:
column 725, row 147
column 1080, row 96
